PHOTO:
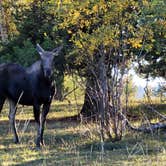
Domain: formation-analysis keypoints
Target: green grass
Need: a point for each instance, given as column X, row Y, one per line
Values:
column 71, row 143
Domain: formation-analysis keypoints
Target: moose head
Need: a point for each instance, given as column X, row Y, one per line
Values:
column 47, row 58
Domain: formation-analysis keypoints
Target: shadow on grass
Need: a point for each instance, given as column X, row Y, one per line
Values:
column 66, row 145
column 35, row 162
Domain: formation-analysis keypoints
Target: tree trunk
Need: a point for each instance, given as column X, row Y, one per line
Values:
column 103, row 97
column 59, row 92
column 96, row 94
column 89, row 108
column 103, row 101
column 59, row 86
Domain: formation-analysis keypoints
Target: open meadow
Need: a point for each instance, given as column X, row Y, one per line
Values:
column 69, row 142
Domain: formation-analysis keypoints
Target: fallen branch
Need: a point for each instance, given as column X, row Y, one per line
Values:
column 152, row 109
column 146, row 127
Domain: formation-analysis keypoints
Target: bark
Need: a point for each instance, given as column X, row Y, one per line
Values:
column 96, row 92
column 103, row 94
column 59, row 95
column 89, row 108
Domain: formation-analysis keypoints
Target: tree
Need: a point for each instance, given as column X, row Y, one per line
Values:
column 152, row 56
column 7, row 25
column 34, row 21
column 105, row 35
column 129, row 89
column 3, row 30
column 161, row 92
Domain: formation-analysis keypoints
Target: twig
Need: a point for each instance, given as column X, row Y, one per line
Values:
column 68, row 93
column 152, row 109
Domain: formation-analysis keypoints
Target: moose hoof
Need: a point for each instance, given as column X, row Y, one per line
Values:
column 16, row 141
column 37, row 148
column 42, row 143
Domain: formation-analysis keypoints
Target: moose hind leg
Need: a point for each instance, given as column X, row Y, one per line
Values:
column 2, row 100
column 12, row 114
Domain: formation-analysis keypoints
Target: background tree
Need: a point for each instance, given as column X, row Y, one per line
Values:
column 7, row 26
column 130, row 89
column 152, row 56
column 35, row 22
column 160, row 91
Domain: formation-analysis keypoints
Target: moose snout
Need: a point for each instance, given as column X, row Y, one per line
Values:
column 47, row 73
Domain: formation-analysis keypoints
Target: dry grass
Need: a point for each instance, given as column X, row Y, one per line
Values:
column 72, row 143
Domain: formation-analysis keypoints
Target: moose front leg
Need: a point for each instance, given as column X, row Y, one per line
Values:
column 36, row 110
column 45, row 110
column 12, row 114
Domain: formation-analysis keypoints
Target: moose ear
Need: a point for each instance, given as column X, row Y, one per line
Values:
column 57, row 50
column 40, row 50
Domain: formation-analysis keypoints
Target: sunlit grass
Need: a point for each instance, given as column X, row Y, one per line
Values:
column 57, row 110
column 70, row 143
column 73, row 143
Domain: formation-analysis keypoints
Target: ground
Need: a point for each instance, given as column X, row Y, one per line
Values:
column 69, row 142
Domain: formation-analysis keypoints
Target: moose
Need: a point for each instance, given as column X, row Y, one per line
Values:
column 31, row 86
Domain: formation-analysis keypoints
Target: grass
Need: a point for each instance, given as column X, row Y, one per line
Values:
column 72, row 143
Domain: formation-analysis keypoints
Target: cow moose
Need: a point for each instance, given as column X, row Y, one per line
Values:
column 32, row 86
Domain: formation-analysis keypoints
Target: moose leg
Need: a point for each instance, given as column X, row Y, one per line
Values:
column 12, row 114
column 46, row 108
column 2, row 100
column 36, row 111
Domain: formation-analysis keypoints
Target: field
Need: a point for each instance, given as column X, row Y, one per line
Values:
column 70, row 142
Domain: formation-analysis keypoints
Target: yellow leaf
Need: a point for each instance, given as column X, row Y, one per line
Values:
column 95, row 8
column 136, row 43
column 45, row 34
column 76, row 15
column 69, row 32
